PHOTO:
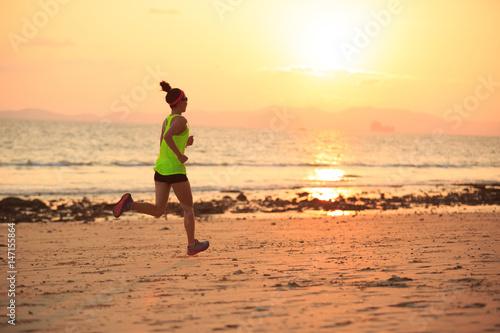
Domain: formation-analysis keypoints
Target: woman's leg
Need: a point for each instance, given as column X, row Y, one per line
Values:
column 162, row 191
column 183, row 192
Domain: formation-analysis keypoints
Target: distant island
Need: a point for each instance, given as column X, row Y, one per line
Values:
column 376, row 126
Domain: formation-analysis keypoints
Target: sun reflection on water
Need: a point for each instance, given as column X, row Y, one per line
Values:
column 326, row 159
column 327, row 175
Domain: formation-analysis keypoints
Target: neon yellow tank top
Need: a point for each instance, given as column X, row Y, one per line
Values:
column 167, row 162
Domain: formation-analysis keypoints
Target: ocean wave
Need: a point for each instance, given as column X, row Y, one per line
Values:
column 346, row 164
column 132, row 164
column 30, row 163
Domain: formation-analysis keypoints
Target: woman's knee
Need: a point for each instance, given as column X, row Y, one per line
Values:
column 188, row 210
column 159, row 211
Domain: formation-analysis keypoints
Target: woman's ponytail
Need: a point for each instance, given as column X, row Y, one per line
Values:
column 165, row 86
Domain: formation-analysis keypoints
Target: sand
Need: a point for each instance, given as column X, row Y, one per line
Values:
column 369, row 273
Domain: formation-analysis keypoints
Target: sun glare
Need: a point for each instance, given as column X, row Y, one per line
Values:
column 327, row 175
column 319, row 32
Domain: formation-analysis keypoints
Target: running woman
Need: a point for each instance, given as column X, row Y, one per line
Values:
column 170, row 170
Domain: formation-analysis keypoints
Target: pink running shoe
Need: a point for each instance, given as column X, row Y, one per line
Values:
column 197, row 247
column 123, row 205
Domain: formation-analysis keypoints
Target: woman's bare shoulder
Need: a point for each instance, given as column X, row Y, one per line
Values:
column 179, row 119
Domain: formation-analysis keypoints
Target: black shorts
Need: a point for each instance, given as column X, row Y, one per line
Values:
column 171, row 179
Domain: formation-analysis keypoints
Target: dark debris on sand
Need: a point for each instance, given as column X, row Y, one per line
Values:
column 24, row 210
column 34, row 210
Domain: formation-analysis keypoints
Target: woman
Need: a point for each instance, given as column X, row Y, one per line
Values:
column 170, row 171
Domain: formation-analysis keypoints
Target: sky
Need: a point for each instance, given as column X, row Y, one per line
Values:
column 90, row 56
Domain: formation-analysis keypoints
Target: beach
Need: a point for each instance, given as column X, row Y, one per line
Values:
column 378, row 271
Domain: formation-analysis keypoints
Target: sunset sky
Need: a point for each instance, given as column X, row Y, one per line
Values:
column 86, row 56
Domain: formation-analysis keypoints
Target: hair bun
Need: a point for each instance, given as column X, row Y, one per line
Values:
column 165, row 86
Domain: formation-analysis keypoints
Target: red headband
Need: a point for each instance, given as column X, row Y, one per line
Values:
column 178, row 99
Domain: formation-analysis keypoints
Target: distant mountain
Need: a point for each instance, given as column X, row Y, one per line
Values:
column 39, row 114
column 359, row 119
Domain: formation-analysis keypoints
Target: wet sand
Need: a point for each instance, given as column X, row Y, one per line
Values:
column 378, row 272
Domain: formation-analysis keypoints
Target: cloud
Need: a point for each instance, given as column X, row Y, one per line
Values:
column 301, row 70
column 373, row 79
column 361, row 77
column 369, row 82
column 161, row 11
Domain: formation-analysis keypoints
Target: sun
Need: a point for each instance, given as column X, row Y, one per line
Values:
column 319, row 29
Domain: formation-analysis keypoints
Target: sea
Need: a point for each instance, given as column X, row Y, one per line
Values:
column 102, row 160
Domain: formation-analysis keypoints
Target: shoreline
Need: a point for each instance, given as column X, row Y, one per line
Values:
column 15, row 209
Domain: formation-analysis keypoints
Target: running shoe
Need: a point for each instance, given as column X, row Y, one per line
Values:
column 123, row 205
column 197, row 247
